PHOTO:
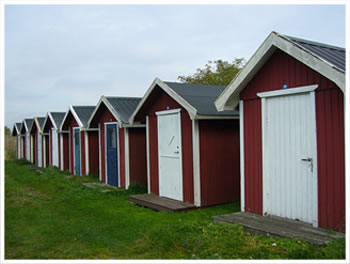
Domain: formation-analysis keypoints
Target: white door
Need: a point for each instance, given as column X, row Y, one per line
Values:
column 39, row 149
column 54, row 147
column 290, row 157
column 169, row 153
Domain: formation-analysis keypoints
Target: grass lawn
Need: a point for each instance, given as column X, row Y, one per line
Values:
column 52, row 214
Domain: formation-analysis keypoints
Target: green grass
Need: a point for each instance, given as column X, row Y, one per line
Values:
column 51, row 214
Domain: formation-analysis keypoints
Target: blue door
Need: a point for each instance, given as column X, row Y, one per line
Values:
column 77, row 151
column 112, row 154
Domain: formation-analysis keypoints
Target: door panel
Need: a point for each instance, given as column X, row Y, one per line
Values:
column 77, row 151
column 289, row 157
column 112, row 154
column 169, row 148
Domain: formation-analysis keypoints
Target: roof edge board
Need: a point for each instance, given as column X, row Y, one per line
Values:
column 113, row 111
column 52, row 120
column 94, row 112
column 229, row 98
column 75, row 115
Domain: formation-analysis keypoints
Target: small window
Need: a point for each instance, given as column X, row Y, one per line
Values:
column 112, row 142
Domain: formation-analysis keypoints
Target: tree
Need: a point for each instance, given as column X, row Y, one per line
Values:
column 216, row 72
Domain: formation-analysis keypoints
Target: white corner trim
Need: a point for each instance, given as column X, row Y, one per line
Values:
column 61, row 152
column 315, row 165
column 289, row 91
column 126, row 154
column 147, row 156
column 241, row 146
column 86, row 152
column 196, row 163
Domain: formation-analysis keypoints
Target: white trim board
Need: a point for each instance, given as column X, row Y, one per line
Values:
column 196, row 163
column 147, row 156
column 289, row 91
column 126, row 155
column 229, row 98
column 241, row 145
column 86, row 152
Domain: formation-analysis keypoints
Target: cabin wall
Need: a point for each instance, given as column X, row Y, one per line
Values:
column 137, row 156
column 219, row 161
column 93, row 152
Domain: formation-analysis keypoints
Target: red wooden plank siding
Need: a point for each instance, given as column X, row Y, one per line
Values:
column 59, row 149
column 51, row 149
column 82, row 153
column 65, row 151
column 278, row 70
column 93, row 152
column 219, row 161
column 137, row 156
column 187, row 157
column 34, row 149
column 121, row 156
column 153, row 153
column 331, row 158
column 252, row 156
column 47, row 150
column 42, row 151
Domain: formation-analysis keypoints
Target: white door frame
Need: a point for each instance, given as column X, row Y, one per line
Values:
column 118, row 152
column 167, row 112
column 77, row 128
column 266, row 179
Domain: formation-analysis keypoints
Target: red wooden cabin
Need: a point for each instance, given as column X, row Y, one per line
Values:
column 122, row 147
column 291, row 100
column 82, row 151
column 192, row 149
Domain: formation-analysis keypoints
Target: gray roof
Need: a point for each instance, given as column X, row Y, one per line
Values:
column 41, row 121
column 124, row 106
column 58, row 117
column 16, row 129
column 28, row 122
column 201, row 97
column 332, row 54
column 18, row 126
column 84, row 113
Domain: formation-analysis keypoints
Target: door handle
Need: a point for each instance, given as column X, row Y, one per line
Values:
column 176, row 152
column 311, row 162
column 306, row 159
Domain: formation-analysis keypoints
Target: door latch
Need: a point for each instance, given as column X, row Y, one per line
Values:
column 311, row 163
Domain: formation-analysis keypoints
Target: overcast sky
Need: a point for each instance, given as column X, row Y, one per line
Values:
column 61, row 55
